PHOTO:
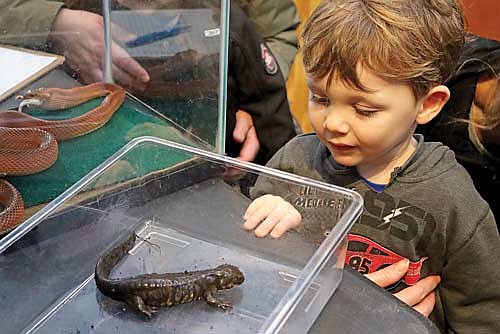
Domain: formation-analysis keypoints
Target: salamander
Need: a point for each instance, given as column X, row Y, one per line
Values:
column 146, row 293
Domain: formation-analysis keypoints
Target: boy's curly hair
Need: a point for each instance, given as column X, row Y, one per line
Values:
column 415, row 41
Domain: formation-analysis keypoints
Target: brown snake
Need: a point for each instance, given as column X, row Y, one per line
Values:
column 28, row 144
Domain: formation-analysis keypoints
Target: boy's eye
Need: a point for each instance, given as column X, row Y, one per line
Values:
column 365, row 111
column 319, row 99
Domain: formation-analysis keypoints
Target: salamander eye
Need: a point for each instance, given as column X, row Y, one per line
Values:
column 237, row 277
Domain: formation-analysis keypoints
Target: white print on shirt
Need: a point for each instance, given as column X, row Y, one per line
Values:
column 398, row 219
column 392, row 214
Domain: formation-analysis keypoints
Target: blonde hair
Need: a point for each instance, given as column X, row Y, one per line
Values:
column 491, row 121
column 415, row 41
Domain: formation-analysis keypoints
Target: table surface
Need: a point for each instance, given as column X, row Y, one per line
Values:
column 358, row 306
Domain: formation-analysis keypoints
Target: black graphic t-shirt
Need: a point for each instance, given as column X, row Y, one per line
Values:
column 429, row 213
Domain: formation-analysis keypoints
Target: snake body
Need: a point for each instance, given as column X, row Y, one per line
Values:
column 28, row 144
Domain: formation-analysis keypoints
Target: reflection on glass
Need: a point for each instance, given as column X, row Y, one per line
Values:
column 178, row 44
column 164, row 53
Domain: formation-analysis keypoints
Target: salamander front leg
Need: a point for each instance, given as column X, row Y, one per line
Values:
column 212, row 300
column 138, row 304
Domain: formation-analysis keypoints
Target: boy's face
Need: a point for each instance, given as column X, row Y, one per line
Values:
column 370, row 130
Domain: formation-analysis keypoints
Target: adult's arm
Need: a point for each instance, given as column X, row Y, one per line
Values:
column 27, row 23
column 79, row 35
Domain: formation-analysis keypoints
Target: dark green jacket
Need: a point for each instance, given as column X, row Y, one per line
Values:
column 276, row 21
column 27, row 23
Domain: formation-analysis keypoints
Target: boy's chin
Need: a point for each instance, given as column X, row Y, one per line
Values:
column 345, row 161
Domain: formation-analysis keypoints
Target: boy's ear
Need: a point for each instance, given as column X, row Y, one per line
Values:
column 432, row 103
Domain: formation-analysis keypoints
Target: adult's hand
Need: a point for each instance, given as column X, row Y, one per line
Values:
column 80, row 36
column 245, row 134
column 420, row 296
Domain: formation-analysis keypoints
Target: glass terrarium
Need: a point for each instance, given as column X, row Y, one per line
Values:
column 179, row 44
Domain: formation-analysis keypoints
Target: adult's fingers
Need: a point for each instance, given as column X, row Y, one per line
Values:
column 389, row 275
column 250, row 146
column 125, row 79
column 243, row 124
column 129, row 65
column 415, row 294
column 426, row 306
column 90, row 76
column 120, row 34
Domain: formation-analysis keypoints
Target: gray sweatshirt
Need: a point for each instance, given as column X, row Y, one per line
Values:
column 429, row 213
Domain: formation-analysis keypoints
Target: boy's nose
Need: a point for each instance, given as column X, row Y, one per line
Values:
column 334, row 122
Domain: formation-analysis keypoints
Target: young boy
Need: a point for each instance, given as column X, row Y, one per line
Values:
column 374, row 72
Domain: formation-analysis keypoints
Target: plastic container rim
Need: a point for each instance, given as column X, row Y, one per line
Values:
column 320, row 257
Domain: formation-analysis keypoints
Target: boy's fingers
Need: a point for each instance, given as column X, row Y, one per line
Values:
column 270, row 214
column 426, row 306
column 249, row 211
column 389, row 275
column 290, row 220
column 285, row 217
column 276, row 215
column 279, row 229
column 265, row 227
column 253, row 207
column 256, row 218
column 294, row 218
column 416, row 293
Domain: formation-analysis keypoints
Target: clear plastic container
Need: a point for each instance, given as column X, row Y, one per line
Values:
column 186, row 205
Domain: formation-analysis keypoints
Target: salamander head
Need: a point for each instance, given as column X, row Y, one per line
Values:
column 228, row 276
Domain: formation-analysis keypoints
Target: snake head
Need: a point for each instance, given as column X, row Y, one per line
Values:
column 35, row 97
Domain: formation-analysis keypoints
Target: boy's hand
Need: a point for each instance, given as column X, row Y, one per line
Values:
column 272, row 215
column 421, row 296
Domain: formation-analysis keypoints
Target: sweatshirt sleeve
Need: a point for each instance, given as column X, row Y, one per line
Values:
column 27, row 23
column 470, row 288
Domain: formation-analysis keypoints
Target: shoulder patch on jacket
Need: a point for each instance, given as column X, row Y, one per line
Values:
column 270, row 64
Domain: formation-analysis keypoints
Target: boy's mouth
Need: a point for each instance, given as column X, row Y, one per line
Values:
column 341, row 147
